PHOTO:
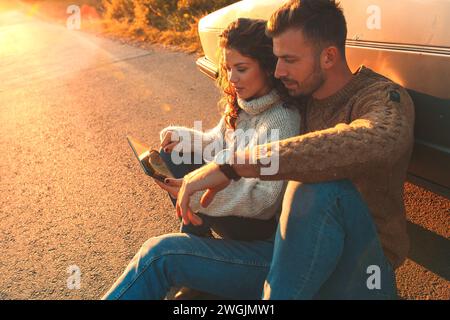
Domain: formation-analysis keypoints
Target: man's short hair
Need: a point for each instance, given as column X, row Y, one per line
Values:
column 321, row 21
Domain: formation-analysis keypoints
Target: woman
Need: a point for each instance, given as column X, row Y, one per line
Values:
column 254, row 105
column 247, row 208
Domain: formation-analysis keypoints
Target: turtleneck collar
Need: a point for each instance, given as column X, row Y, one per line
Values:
column 261, row 104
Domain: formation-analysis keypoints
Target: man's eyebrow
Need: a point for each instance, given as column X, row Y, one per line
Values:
column 287, row 56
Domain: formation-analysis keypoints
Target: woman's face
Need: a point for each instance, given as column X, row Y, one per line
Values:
column 245, row 75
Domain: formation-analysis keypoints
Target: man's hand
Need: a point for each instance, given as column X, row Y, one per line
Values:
column 173, row 187
column 209, row 178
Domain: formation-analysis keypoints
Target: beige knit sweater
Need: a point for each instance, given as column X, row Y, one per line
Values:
column 363, row 133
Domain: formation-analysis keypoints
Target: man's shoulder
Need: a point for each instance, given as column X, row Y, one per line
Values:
column 379, row 90
column 377, row 83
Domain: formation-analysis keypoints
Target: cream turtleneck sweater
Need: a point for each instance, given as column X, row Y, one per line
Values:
column 247, row 197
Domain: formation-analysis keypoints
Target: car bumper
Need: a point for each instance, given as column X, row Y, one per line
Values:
column 207, row 67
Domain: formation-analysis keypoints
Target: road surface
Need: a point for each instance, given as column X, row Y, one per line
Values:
column 72, row 194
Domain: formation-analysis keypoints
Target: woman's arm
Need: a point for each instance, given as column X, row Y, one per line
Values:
column 193, row 135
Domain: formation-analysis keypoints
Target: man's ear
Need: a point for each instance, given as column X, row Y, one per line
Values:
column 329, row 57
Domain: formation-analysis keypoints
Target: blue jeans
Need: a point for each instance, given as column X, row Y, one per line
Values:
column 325, row 247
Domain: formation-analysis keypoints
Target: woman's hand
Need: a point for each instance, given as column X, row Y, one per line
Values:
column 172, row 190
column 167, row 143
column 209, row 178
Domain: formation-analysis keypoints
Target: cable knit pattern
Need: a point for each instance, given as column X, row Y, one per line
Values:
column 250, row 197
column 363, row 133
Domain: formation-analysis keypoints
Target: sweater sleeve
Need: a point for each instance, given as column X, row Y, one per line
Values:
column 251, row 197
column 380, row 134
column 191, row 144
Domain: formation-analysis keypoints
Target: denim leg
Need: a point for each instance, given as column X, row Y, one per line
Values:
column 225, row 268
column 324, row 245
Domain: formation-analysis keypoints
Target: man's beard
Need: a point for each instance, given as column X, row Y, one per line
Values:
column 311, row 84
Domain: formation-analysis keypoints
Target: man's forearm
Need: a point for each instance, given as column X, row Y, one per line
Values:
column 340, row 152
column 244, row 166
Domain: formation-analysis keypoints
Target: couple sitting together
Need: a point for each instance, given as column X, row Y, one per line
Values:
column 329, row 222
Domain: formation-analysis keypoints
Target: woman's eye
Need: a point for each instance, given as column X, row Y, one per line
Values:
column 241, row 70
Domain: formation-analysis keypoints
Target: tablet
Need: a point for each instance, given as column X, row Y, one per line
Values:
column 150, row 160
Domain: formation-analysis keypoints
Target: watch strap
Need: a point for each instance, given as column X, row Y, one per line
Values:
column 229, row 171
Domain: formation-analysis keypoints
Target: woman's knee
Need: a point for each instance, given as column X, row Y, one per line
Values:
column 166, row 156
column 157, row 247
column 183, row 164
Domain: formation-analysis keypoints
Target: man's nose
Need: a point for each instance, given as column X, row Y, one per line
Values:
column 280, row 70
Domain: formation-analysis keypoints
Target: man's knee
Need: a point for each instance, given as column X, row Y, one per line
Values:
column 297, row 189
column 312, row 194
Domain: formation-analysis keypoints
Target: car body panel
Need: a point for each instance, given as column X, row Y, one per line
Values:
column 411, row 48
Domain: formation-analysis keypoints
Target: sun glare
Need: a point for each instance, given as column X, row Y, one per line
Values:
column 32, row 10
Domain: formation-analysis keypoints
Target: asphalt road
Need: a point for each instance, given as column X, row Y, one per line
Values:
column 72, row 194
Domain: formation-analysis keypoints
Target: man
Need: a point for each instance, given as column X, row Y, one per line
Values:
column 342, row 228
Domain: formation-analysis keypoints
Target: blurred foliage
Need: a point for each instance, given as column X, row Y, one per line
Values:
column 169, row 22
column 176, row 15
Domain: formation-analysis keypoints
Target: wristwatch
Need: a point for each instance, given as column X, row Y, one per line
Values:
column 229, row 171
column 222, row 160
